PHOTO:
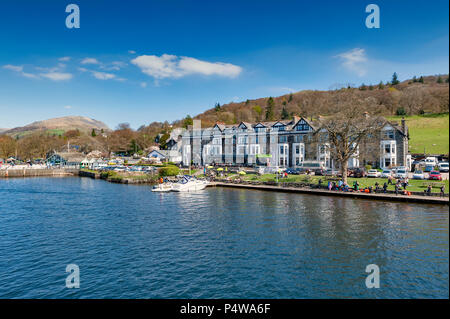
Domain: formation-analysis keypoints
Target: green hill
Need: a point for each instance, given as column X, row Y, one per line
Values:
column 428, row 133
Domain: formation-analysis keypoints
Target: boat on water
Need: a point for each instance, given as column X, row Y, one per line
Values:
column 189, row 184
column 163, row 187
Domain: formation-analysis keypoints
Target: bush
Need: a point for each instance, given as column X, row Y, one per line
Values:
column 367, row 167
column 169, row 171
column 400, row 111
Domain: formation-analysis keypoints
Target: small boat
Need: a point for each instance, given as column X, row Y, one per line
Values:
column 189, row 184
column 164, row 187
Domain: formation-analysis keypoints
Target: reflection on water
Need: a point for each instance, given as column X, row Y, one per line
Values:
column 216, row 243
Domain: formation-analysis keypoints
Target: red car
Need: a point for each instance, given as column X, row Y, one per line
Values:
column 434, row 175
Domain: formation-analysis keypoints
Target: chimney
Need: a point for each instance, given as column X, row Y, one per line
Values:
column 404, row 125
column 295, row 119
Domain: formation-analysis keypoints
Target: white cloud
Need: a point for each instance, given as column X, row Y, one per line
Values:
column 19, row 69
column 115, row 66
column 57, row 76
column 103, row 75
column 143, row 84
column 16, row 68
column 171, row 66
column 68, row 107
column 354, row 60
column 64, row 59
column 90, row 61
column 131, row 51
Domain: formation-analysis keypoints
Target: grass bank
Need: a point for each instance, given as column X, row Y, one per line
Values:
column 428, row 133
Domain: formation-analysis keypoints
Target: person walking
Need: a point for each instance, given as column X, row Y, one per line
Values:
column 442, row 194
column 396, row 189
column 385, row 186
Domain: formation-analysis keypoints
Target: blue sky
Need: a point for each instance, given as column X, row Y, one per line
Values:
column 143, row 61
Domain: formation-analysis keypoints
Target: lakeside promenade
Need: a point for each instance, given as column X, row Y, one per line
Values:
column 323, row 192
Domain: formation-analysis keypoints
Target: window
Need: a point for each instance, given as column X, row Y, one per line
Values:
column 254, row 149
column 387, row 148
column 217, row 141
column 282, row 149
column 389, row 134
column 297, row 149
column 282, row 139
column 242, row 140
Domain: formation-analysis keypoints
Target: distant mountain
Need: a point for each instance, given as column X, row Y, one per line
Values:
column 3, row 130
column 59, row 125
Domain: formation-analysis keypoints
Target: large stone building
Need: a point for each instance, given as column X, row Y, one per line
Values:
column 285, row 143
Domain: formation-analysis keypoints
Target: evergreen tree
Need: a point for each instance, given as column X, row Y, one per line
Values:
column 93, row 134
column 395, row 80
column 187, row 121
column 290, row 98
column 284, row 114
column 269, row 109
column 381, row 85
column 217, row 107
column 421, row 79
column 414, row 79
column 439, row 79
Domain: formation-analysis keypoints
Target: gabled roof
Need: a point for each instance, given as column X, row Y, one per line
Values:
column 398, row 127
column 314, row 126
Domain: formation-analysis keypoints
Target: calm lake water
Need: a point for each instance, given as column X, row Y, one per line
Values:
column 216, row 243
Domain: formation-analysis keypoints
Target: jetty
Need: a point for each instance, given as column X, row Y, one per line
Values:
column 323, row 192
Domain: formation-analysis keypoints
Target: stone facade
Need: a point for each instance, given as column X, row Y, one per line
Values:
column 285, row 143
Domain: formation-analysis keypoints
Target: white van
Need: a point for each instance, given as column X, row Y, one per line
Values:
column 431, row 161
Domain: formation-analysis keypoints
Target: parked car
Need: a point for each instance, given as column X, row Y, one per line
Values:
column 319, row 172
column 292, row 171
column 358, row 172
column 428, row 168
column 435, row 175
column 418, row 174
column 373, row 173
column 401, row 173
column 386, row 173
column 443, row 167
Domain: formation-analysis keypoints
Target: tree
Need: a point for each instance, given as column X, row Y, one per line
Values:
column 284, row 114
column 269, row 109
column 217, row 107
column 381, row 85
column 414, row 79
column 7, row 146
column 93, row 134
column 349, row 127
column 421, row 79
column 395, row 80
column 439, row 80
column 290, row 98
column 188, row 121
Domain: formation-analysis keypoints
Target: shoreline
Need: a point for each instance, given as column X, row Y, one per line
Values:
column 305, row 190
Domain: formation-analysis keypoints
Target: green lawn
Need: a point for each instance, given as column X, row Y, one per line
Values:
column 414, row 185
column 428, row 133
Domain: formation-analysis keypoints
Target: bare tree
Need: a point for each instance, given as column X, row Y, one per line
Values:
column 349, row 126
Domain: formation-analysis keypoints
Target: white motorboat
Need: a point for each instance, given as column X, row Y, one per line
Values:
column 189, row 184
column 164, row 187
